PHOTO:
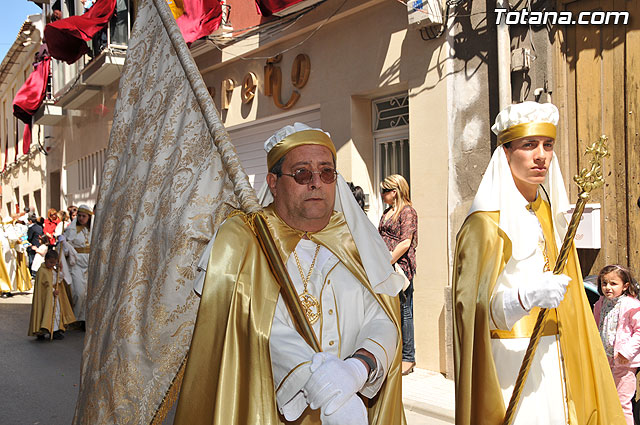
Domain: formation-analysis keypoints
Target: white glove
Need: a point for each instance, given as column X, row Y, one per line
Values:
column 333, row 381
column 545, row 292
column 62, row 238
column 352, row 412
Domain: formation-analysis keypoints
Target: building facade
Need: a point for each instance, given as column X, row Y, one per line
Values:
column 23, row 173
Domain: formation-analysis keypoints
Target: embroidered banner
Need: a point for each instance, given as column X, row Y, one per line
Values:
column 170, row 177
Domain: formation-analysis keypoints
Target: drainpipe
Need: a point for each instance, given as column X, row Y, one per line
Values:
column 504, row 58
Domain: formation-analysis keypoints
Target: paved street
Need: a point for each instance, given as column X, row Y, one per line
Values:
column 39, row 379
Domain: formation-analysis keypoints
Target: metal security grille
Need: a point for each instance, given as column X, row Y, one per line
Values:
column 90, row 170
column 391, row 112
column 394, row 158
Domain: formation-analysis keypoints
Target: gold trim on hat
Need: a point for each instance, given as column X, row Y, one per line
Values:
column 527, row 129
column 300, row 138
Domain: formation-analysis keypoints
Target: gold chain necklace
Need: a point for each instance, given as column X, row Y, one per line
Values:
column 310, row 304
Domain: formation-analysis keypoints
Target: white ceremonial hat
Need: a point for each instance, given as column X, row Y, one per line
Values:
column 526, row 119
column 84, row 208
column 497, row 190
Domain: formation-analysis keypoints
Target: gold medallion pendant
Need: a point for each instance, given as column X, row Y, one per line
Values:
column 310, row 306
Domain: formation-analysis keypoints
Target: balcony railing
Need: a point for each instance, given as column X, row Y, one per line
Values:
column 75, row 84
column 118, row 31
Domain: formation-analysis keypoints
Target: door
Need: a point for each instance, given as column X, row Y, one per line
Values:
column 597, row 86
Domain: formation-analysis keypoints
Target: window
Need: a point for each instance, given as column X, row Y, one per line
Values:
column 16, row 192
column 391, row 138
column 393, row 154
column 391, row 134
column 391, row 112
column 37, row 197
column 90, row 170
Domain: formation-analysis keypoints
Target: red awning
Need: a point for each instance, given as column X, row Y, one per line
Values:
column 199, row 18
column 269, row 7
column 67, row 37
column 31, row 94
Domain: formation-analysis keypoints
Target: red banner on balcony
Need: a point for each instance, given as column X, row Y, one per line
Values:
column 269, row 7
column 26, row 139
column 67, row 38
column 197, row 18
column 31, row 94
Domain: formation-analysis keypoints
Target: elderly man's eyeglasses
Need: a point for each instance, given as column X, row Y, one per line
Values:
column 304, row 176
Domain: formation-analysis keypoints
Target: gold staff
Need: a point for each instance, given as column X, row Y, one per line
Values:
column 588, row 179
column 53, row 310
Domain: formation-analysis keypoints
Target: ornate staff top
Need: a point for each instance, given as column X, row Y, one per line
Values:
column 592, row 178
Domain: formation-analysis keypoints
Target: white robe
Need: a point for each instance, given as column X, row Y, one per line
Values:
column 78, row 264
column 543, row 399
column 351, row 319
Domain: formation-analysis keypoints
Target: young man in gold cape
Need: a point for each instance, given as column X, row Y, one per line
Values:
column 501, row 278
column 247, row 363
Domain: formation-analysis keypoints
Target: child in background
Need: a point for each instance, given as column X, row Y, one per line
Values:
column 617, row 313
column 50, row 308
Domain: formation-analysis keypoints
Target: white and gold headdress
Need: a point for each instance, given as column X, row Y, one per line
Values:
column 497, row 190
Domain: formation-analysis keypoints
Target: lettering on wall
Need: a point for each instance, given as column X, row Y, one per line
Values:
column 249, row 86
column 300, row 70
column 227, row 89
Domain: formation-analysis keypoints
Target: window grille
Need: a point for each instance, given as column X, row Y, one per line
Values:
column 90, row 170
column 393, row 158
column 391, row 112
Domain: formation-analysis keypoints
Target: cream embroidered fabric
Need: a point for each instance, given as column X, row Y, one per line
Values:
column 164, row 191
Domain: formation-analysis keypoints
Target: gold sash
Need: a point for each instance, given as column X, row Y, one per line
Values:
column 524, row 327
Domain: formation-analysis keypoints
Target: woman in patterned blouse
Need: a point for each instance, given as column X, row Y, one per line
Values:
column 399, row 229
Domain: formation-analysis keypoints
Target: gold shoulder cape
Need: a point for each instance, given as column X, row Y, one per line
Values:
column 42, row 304
column 482, row 250
column 228, row 376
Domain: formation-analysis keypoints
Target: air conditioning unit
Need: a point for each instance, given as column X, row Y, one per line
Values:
column 424, row 13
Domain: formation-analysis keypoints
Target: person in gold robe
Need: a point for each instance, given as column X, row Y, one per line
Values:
column 247, row 363
column 501, row 278
column 51, row 312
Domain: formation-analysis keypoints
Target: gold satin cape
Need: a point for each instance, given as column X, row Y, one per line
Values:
column 43, row 304
column 5, row 281
column 23, row 275
column 228, row 378
column 482, row 251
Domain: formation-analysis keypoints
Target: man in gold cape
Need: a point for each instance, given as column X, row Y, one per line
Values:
column 51, row 311
column 246, row 363
column 504, row 250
